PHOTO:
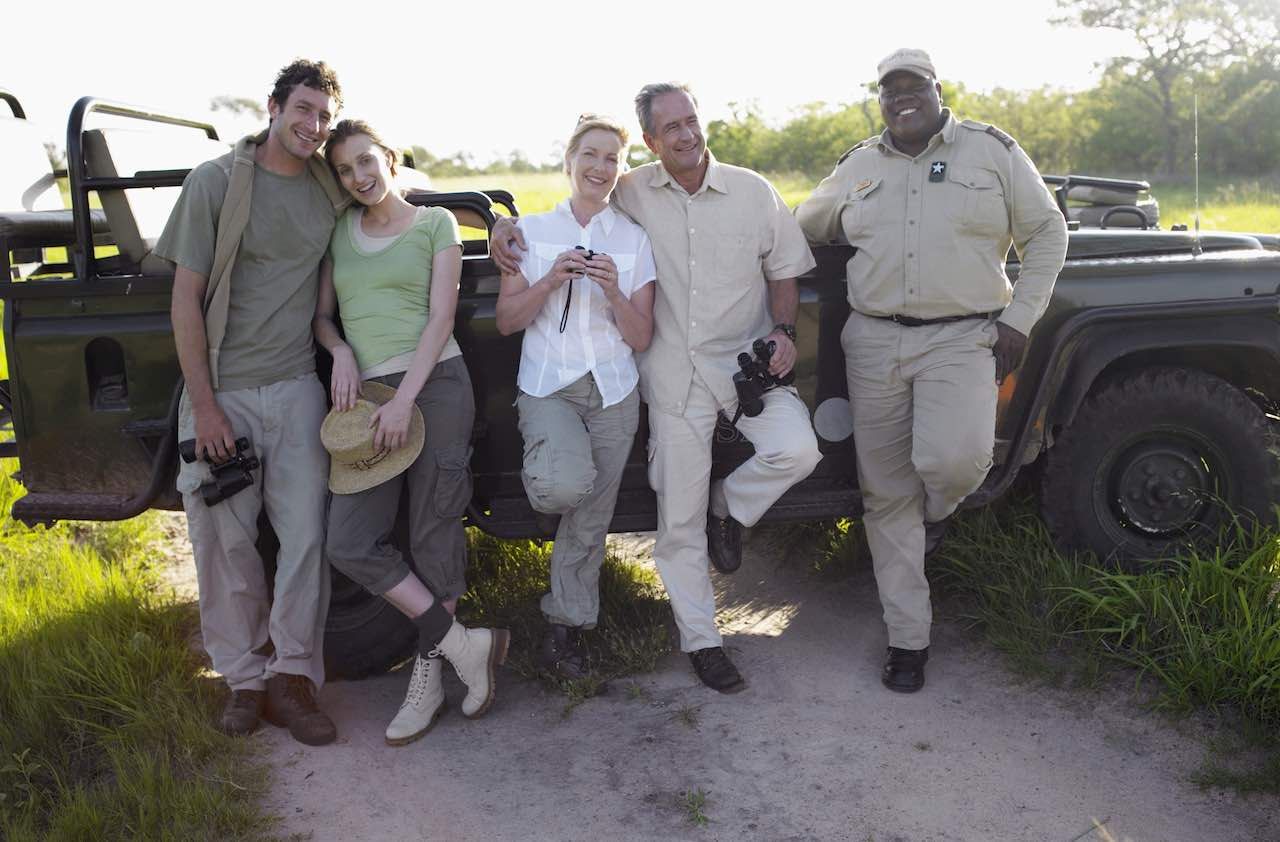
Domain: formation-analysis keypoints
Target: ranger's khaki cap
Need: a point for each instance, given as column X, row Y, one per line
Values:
column 908, row 59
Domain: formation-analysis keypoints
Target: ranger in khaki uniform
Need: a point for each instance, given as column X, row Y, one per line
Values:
column 931, row 205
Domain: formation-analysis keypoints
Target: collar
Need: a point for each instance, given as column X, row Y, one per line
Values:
column 947, row 133
column 606, row 218
column 317, row 166
column 713, row 180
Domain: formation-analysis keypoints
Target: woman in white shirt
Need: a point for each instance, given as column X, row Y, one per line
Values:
column 584, row 298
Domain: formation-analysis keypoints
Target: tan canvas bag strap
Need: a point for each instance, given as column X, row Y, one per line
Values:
column 232, row 220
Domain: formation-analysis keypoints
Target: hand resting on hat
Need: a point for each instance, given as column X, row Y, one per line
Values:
column 390, row 423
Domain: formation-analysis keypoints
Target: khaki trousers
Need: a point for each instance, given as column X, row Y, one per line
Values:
column 575, row 450
column 249, row 635
column 924, row 410
column 680, row 473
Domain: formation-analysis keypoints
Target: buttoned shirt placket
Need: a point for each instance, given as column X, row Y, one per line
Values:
column 917, row 174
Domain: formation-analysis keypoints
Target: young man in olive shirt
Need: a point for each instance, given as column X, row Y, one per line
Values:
column 259, row 382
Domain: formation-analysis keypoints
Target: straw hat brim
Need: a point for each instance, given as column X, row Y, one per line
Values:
column 350, row 479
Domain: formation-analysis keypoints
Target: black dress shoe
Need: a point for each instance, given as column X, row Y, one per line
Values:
column 724, row 543
column 562, row 653
column 933, row 535
column 904, row 669
column 716, row 670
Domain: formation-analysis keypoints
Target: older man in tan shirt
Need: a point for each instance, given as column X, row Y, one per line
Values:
column 727, row 253
column 931, row 206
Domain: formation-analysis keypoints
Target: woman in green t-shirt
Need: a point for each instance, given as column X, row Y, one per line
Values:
column 392, row 275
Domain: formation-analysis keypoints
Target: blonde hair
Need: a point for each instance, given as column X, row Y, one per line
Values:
column 590, row 122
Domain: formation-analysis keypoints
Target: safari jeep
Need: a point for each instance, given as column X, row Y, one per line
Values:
column 1144, row 403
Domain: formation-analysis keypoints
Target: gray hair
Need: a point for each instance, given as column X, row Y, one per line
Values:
column 650, row 92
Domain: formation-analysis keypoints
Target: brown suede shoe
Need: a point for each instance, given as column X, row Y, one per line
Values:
column 291, row 703
column 242, row 712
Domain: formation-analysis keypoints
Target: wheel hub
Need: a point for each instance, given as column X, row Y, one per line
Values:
column 1163, row 487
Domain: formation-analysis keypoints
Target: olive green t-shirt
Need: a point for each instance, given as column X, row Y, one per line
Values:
column 383, row 296
column 275, row 277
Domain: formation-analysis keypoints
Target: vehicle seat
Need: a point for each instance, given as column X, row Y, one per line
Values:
column 26, row 179
column 137, row 216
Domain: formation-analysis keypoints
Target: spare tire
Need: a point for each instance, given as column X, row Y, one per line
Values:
column 1158, row 459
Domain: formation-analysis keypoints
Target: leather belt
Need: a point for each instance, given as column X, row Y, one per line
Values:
column 912, row 321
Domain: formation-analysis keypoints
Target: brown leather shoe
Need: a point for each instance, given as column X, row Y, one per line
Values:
column 291, row 703
column 242, row 712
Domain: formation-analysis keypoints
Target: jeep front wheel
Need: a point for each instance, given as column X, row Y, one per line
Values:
column 1156, row 460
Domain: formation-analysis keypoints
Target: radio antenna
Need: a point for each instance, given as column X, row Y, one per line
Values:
column 1196, row 249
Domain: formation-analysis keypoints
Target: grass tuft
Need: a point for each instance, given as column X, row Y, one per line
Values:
column 1202, row 629
column 508, row 580
column 106, row 728
column 692, row 802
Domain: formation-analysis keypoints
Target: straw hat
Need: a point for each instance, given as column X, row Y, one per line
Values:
column 354, row 464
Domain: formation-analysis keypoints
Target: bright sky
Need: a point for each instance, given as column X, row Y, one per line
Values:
column 490, row 77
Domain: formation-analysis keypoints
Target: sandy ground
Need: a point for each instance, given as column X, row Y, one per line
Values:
column 814, row 748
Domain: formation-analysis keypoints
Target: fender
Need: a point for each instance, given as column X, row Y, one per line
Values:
column 1086, row 343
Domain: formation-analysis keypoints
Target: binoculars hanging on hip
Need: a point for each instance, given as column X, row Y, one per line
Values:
column 753, row 379
column 230, row 477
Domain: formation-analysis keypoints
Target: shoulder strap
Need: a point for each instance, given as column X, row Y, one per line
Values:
column 856, row 147
column 1005, row 140
column 232, row 220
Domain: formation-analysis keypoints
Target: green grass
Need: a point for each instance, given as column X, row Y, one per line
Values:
column 104, row 717
column 1202, row 633
column 508, row 578
column 1247, row 204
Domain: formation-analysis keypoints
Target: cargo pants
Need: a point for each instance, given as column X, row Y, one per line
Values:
column 924, row 412
column 249, row 635
column 575, row 450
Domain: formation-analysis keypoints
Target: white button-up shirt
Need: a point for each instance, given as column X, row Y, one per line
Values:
column 591, row 342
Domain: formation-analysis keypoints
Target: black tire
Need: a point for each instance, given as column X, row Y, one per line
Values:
column 1155, row 460
column 364, row 634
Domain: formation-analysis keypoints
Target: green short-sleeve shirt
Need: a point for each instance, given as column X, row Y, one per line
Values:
column 276, row 273
column 383, row 296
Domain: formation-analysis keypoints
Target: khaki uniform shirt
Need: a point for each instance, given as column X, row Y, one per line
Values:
column 932, row 232
column 714, row 250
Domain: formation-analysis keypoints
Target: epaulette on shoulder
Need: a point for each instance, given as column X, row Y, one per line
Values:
column 1005, row 140
column 856, row 147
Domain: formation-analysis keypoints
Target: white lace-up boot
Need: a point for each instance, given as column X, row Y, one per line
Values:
column 423, row 703
column 475, row 653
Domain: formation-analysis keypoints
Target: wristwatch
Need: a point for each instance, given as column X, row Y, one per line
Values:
column 789, row 330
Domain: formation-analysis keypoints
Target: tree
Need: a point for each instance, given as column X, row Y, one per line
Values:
column 239, row 106
column 1179, row 41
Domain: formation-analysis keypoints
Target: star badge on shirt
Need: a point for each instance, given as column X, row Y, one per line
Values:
column 938, row 171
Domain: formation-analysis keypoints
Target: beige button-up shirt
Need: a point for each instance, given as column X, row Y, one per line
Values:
column 714, row 249
column 932, row 232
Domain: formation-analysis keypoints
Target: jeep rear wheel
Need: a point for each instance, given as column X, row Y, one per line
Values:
column 364, row 634
column 1157, row 460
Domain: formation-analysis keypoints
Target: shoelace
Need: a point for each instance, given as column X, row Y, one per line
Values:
column 418, row 681
column 297, row 689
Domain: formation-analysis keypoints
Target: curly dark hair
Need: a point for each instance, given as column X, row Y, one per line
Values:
column 314, row 74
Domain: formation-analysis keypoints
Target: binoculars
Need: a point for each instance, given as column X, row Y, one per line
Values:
column 753, row 379
column 229, row 478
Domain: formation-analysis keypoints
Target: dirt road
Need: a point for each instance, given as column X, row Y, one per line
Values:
column 815, row 748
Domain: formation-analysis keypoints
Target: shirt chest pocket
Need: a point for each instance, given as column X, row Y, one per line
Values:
column 976, row 201
column 737, row 259
column 861, row 209
column 544, row 255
